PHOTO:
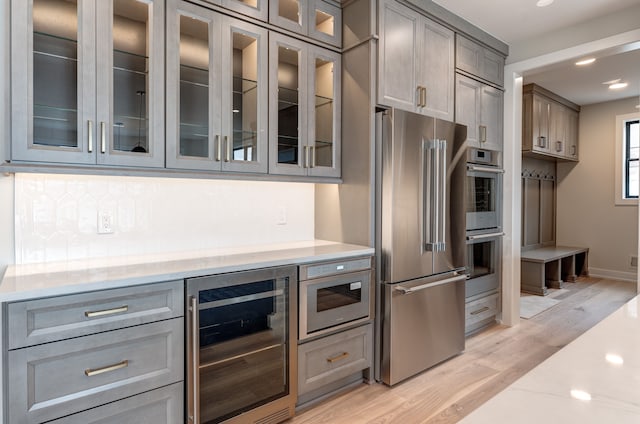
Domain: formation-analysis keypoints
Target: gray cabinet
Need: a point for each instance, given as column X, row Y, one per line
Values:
column 549, row 125
column 480, row 311
column 416, row 62
column 479, row 106
column 304, row 116
column 318, row 19
column 87, row 82
column 77, row 352
column 479, row 61
column 217, row 73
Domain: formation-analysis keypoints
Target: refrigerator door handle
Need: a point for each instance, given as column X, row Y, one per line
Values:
column 442, row 199
column 429, row 195
column 409, row 290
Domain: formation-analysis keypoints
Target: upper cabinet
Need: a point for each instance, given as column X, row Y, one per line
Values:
column 479, row 61
column 315, row 18
column 87, row 82
column 304, row 132
column 479, row 106
column 416, row 62
column 217, row 76
column 549, row 125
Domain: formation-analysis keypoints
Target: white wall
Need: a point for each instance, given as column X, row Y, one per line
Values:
column 586, row 211
column 57, row 215
column 6, row 182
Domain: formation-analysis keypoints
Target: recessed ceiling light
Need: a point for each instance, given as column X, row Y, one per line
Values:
column 612, row 81
column 580, row 395
column 544, row 3
column 618, row 86
column 586, row 61
column 614, row 359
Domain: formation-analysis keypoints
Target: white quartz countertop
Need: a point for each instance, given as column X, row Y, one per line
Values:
column 22, row 282
column 594, row 379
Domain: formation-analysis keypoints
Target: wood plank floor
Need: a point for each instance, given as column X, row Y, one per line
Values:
column 493, row 359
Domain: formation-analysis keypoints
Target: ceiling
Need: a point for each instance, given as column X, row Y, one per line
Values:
column 525, row 21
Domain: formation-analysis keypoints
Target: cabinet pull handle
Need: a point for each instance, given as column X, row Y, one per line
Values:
column 313, row 156
column 103, row 137
column 114, row 367
column 90, row 136
column 218, row 148
column 483, row 133
column 558, row 146
column 94, row 314
column 419, row 95
column 542, row 142
column 227, row 153
column 343, row 355
column 305, row 152
column 573, row 150
column 424, row 97
column 193, row 361
column 479, row 311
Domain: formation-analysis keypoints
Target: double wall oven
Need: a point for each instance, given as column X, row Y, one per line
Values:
column 484, row 225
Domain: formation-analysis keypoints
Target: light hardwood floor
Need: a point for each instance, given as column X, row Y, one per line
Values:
column 493, row 359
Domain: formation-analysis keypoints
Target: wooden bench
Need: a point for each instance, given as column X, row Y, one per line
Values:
column 551, row 266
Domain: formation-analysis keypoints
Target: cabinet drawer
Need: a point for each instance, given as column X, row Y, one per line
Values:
column 160, row 406
column 481, row 309
column 57, row 379
column 333, row 357
column 56, row 318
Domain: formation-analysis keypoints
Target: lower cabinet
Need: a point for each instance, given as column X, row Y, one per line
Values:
column 329, row 360
column 480, row 311
column 132, row 370
column 159, row 406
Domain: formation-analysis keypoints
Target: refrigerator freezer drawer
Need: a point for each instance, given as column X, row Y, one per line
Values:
column 423, row 325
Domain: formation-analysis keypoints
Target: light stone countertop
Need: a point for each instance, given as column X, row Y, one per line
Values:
column 594, row 379
column 29, row 281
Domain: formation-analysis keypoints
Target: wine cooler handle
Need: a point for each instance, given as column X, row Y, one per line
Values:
column 193, row 361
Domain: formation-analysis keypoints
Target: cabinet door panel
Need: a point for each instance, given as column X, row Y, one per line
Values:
column 288, row 122
column 436, row 69
column 194, row 125
column 541, row 116
column 130, row 82
column 325, row 112
column 491, row 106
column 398, row 59
column 52, row 108
column 290, row 14
column 325, row 22
column 572, row 136
column 244, row 97
column 255, row 8
column 468, row 92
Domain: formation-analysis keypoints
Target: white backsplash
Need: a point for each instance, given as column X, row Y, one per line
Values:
column 57, row 215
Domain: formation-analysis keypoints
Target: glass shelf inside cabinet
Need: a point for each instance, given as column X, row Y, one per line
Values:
column 287, row 97
column 245, row 145
column 323, row 101
column 243, row 85
column 55, row 91
column 194, row 127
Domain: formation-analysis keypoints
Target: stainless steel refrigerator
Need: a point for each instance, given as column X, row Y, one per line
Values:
column 421, row 228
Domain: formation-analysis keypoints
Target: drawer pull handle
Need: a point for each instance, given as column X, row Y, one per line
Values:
column 479, row 311
column 343, row 355
column 94, row 314
column 114, row 367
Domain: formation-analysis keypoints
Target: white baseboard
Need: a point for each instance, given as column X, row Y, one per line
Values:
column 631, row 277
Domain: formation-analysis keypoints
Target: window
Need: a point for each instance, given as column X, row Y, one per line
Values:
column 627, row 142
column 632, row 150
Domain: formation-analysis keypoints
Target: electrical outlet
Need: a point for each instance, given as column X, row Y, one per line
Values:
column 282, row 216
column 105, row 222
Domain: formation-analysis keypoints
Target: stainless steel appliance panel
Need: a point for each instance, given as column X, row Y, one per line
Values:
column 422, row 165
column 483, row 262
column 484, row 191
column 423, row 324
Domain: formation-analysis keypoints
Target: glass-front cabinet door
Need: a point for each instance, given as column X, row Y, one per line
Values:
column 83, row 82
column 52, row 104
column 325, row 22
column 130, row 82
column 254, row 8
column 290, row 14
column 288, row 120
column 324, row 113
column 194, row 125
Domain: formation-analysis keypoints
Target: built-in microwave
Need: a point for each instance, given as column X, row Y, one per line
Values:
column 335, row 301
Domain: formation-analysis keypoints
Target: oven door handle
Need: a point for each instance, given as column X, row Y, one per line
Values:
column 472, row 167
column 484, row 236
column 193, row 361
